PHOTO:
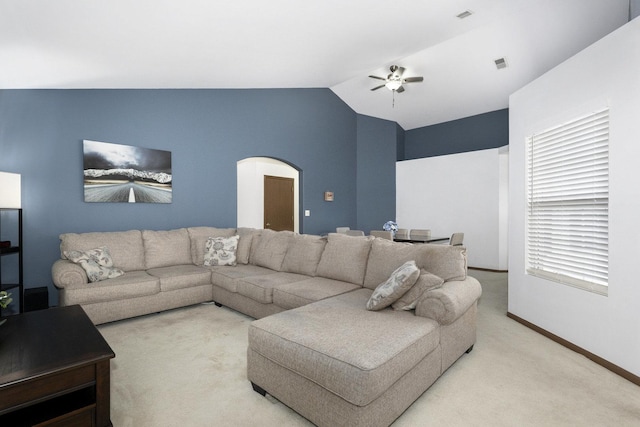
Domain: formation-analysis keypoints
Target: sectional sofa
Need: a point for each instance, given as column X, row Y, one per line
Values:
column 315, row 346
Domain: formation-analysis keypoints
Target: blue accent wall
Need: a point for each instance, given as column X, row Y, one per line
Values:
column 377, row 150
column 207, row 131
column 480, row 132
column 400, row 135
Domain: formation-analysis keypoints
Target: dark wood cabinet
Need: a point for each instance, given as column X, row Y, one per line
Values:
column 54, row 370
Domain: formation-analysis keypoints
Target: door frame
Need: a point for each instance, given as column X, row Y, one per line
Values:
column 250, row 189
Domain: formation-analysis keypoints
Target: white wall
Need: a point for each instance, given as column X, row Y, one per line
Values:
column 251, row 174
column 458, row 193
column 605, row 74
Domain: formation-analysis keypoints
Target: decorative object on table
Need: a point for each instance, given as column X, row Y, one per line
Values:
column 5, row 300
column 391, row 226
column 124, row 173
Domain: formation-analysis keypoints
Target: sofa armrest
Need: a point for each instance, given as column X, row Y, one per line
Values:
column 452, row 300
column 67, row 274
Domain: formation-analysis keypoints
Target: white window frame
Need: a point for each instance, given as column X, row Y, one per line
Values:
column 568, row 203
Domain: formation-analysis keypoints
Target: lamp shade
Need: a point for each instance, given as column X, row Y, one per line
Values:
column 393, row 84
column 10, row 190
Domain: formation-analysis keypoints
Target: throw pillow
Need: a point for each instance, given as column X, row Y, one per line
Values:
column 221, row 250
column 198, row 237
column 401, row 280
column 425, row 282
column 96, row 262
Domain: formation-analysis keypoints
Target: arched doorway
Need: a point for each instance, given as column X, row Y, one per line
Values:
column 251, row 177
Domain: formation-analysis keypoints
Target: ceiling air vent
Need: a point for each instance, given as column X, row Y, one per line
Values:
column 501, row 63
column 464, row 14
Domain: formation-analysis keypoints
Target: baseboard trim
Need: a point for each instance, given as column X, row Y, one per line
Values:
column 488, row 269
column 597, row 359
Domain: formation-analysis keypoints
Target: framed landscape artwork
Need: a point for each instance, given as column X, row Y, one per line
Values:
column 126, row 174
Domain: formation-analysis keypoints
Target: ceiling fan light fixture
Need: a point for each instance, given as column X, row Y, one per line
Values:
column 393, row 84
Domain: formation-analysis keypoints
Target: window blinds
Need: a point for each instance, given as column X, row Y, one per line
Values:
column 568, row 203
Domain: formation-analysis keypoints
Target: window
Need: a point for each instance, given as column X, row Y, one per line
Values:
column 568, row 203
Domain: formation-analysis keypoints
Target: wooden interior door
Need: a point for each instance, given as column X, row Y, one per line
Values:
column 278, row 203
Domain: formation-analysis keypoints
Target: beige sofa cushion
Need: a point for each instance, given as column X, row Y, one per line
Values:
column 297, row 294
column 126, row 247
column 303, row 254
column 268, row 249
column 260, row 288
column 315, row 342
column 198, row 239
column 166, row 248
column 228, row 277
column 345, row 258
column 445, row 261
column 181, row 276
column 130, row 285
column 244, row 244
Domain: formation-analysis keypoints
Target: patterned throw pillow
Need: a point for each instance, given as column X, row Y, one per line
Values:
column 426, row 282
column 401, row 280
column 96, row 262
column 221, row 250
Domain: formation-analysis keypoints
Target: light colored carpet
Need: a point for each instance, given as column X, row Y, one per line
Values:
column 187, row 367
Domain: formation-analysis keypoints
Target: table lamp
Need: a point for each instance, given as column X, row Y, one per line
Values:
column 10, row 191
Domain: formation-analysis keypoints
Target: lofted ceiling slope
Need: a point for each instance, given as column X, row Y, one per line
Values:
column 332, row 44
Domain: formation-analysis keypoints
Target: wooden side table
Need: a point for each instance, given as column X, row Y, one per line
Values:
column 54, row 370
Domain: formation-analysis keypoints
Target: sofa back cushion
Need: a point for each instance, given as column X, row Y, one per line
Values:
column 345, row 258
column 166, row 248
column 269, row 248
column 126, row 247
column 243, row 253
column 303, row 254
column 445, row 261
column 198, row 237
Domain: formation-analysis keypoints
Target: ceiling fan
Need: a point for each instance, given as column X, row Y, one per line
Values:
column 394, row 80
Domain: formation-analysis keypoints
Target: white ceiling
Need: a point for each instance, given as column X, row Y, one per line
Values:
column 303, row 44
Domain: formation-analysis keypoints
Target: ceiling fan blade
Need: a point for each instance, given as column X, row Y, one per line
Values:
column 376, row 77
column 377, row 87
column 413, row 79
column 400, row 89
